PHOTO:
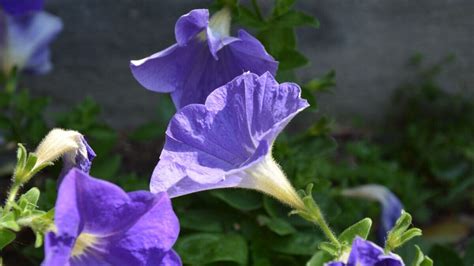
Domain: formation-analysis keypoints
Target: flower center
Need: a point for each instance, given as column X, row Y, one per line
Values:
column 83, row 242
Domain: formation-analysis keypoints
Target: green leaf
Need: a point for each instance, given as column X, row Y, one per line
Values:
column 8, row 221
column 249, row 19
column 204, row 248
column 443, row 255
column 277, row 225
column 361, row 228
column 294, row 18
column 241, row 199
column 283, row 6
column 319, row 258
column 300, row 243
column 202, row 220
column 290, row 59
column 6, row 237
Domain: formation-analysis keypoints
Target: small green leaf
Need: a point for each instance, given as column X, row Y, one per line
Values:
column 300, row 243
column 8, row 221
column 361, row 228
column 6, row 237
column 21, row 156
column 39, row 239
column 244, row 200
column 30, row 162
column 204, row 248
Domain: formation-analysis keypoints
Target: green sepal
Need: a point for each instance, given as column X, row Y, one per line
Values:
column 400, row 234
column 421, row 259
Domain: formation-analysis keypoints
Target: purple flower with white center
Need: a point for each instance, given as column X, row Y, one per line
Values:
column 366, row 253
column 25, row 34
column 391, row 205
column 227, row 141
column 204, row 58
column 97, row 223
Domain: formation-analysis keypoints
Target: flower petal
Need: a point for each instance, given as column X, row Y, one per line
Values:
column 148, row 240
column 208, row 145
column 190, row 25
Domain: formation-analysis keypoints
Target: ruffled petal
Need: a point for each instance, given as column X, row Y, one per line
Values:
column 208, row 145
column 21, row 7
column 27, row 40
column 190, row 25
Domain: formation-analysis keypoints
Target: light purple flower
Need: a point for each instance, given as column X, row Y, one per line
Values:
column 366, row 253
column 204, row 58
column 25, row 35
column 97, row 223
column 391, row 205
column 227, row 141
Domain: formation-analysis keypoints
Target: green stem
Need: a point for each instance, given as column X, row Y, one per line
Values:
column 318, row 218
column 11, row 197
column 257, row 9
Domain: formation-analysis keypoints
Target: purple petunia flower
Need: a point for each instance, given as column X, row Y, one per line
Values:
column 97, row 223
column 25, row 34
column 227, row 141
column 366, row 253
column 204, row 58
column 391, row 205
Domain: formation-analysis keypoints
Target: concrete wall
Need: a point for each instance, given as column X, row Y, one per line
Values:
column 367, row 42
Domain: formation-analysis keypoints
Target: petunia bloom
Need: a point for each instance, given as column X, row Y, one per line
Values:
column 204, row 58
column 366, row 253
column 227, row 141
column 25, row 34
column 97, row 223
column 391, row 205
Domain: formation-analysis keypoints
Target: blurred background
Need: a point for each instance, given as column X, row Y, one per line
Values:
column 367, row 43
column 390, row 83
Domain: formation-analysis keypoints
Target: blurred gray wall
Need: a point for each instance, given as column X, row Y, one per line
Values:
column 367, row 42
